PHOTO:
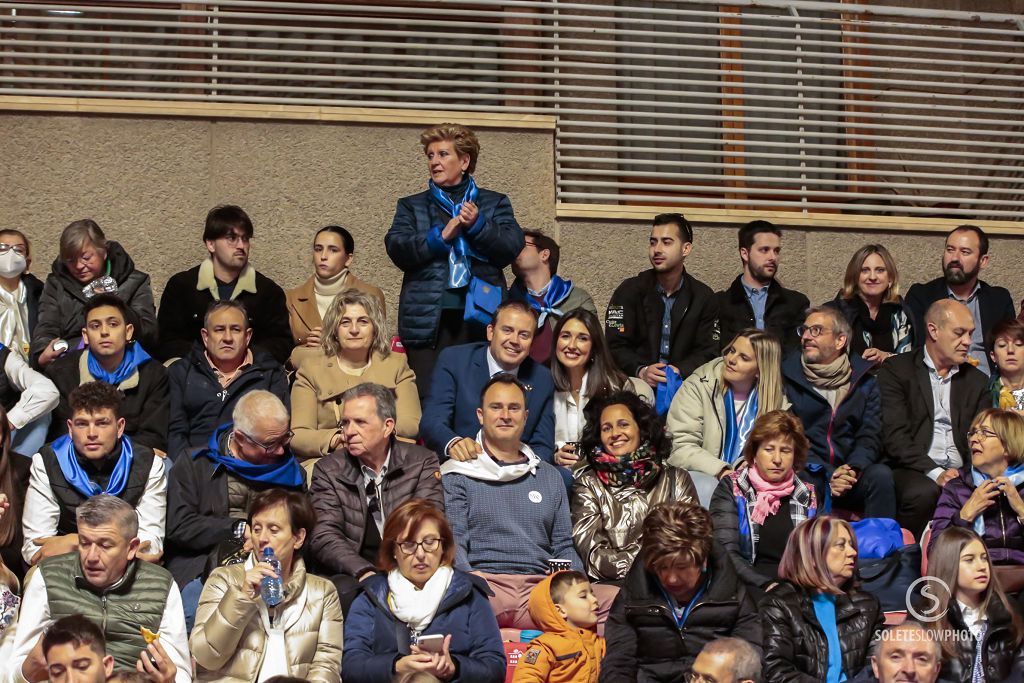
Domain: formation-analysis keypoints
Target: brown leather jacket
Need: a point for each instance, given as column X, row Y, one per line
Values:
column 607, row 522
column 337, row 492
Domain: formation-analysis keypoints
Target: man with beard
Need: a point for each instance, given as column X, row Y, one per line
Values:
column 755, row 298
column 964, row 257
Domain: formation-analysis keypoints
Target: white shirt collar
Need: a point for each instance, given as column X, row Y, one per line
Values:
column 493, row 368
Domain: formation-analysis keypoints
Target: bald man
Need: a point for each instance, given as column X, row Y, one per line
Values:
column 929, row 398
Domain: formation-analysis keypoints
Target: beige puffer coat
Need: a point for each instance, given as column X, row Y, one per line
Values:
column 695, row 420
column 229, row 640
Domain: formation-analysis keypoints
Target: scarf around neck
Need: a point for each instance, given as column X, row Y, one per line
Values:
column 1014, row 473
column 557, row 291
column 414, row 606
column 286, row 472
column 769, row 495
column 134, row 356
column 64, row 449
column 486, row 468
column 459, row 253
column 832, row 379
column 737, row 427
column 636, row 469
column 825, row 611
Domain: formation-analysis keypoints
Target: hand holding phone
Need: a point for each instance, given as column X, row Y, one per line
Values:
column 433, row 643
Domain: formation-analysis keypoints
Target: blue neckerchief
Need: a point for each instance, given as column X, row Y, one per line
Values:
column 557, row 292
column 680, row 619
column 460, row 252
column 736, row 435
column 666, row 391
column 825, row 611
column 1015, row 474
column 134, row 356
column 285, row 473
column 64, row 449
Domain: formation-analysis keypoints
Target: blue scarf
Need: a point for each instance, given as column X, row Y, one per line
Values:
column 679, row 612
column 460, row 252
column 286, row 473
column 558, row 291
column 736, row 434
column 1015, row 474
column 825, row 611
column 64, row 449
column 134, row 356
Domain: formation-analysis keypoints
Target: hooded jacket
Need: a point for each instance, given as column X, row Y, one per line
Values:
column 564, row 654
column 62, row 303
column 199, row 404
column 375, row 639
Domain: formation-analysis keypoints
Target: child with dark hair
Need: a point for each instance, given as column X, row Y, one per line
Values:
column 564, row 606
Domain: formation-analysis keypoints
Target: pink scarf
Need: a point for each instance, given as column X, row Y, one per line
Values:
column 769, row 495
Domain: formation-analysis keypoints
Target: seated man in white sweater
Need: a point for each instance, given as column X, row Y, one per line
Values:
column 518, row 506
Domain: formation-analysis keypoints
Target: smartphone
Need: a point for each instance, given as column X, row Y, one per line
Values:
column 434, row 643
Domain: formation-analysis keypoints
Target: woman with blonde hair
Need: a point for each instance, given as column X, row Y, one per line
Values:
column 451, row 241
column 355, row 348
column 986, row 495
column 975, row 608
column 713, row 412
column 817, row 623
column 870, row 299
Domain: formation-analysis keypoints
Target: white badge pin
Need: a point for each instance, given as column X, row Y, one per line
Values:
column 535, row 496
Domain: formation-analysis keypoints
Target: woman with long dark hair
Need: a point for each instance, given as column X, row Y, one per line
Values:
column 624, row 477
column 583, row 369
column 14, row 476
column 974, row 606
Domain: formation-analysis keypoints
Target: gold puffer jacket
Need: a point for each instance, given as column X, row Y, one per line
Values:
column 607, row 522
column 229, row 640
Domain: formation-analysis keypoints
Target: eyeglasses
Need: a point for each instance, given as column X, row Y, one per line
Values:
column 429, row 545
column 235, row 238
column 269, row 448
column 814, row 330
column 19, row 249
column 983, row 433
column 694, row 677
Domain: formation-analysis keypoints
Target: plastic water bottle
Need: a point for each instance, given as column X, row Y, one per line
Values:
column 271, row 588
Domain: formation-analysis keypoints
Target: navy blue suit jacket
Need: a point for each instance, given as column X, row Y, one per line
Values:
column 459, row 377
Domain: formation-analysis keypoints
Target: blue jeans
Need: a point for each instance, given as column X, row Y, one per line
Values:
column 190, row 602
column 30, row 439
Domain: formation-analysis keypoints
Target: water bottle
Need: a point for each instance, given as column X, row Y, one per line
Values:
column 271, row 588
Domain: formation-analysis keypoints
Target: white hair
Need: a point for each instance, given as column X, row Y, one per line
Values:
column 257, row 406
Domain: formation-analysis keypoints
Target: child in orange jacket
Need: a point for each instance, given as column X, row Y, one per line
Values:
column 570, row 651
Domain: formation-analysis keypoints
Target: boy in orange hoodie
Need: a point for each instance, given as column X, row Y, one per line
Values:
column 570, row 651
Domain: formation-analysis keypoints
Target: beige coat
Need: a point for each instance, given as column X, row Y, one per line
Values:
column 695, row 420
column 229, row 639
column 303, row 314
column 316, row 399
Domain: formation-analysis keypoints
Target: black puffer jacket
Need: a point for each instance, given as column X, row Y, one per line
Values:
column 795, row 646
column 62, row 303
column 644, row 643
column 1002, row 655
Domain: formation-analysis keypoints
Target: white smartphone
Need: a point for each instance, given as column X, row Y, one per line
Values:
column 433, row 644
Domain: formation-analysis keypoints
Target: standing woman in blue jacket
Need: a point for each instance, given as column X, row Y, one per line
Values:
column 452, row 242
column 421, row 595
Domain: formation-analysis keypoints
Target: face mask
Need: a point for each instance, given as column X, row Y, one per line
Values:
column 12, row 264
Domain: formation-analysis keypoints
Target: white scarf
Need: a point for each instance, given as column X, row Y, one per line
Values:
column 14, row 319
column 414, row 606
column 326, row 290
column 275, row 651
column 484, row 467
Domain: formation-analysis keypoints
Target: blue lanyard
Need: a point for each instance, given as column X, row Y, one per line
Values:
column 680, row 620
